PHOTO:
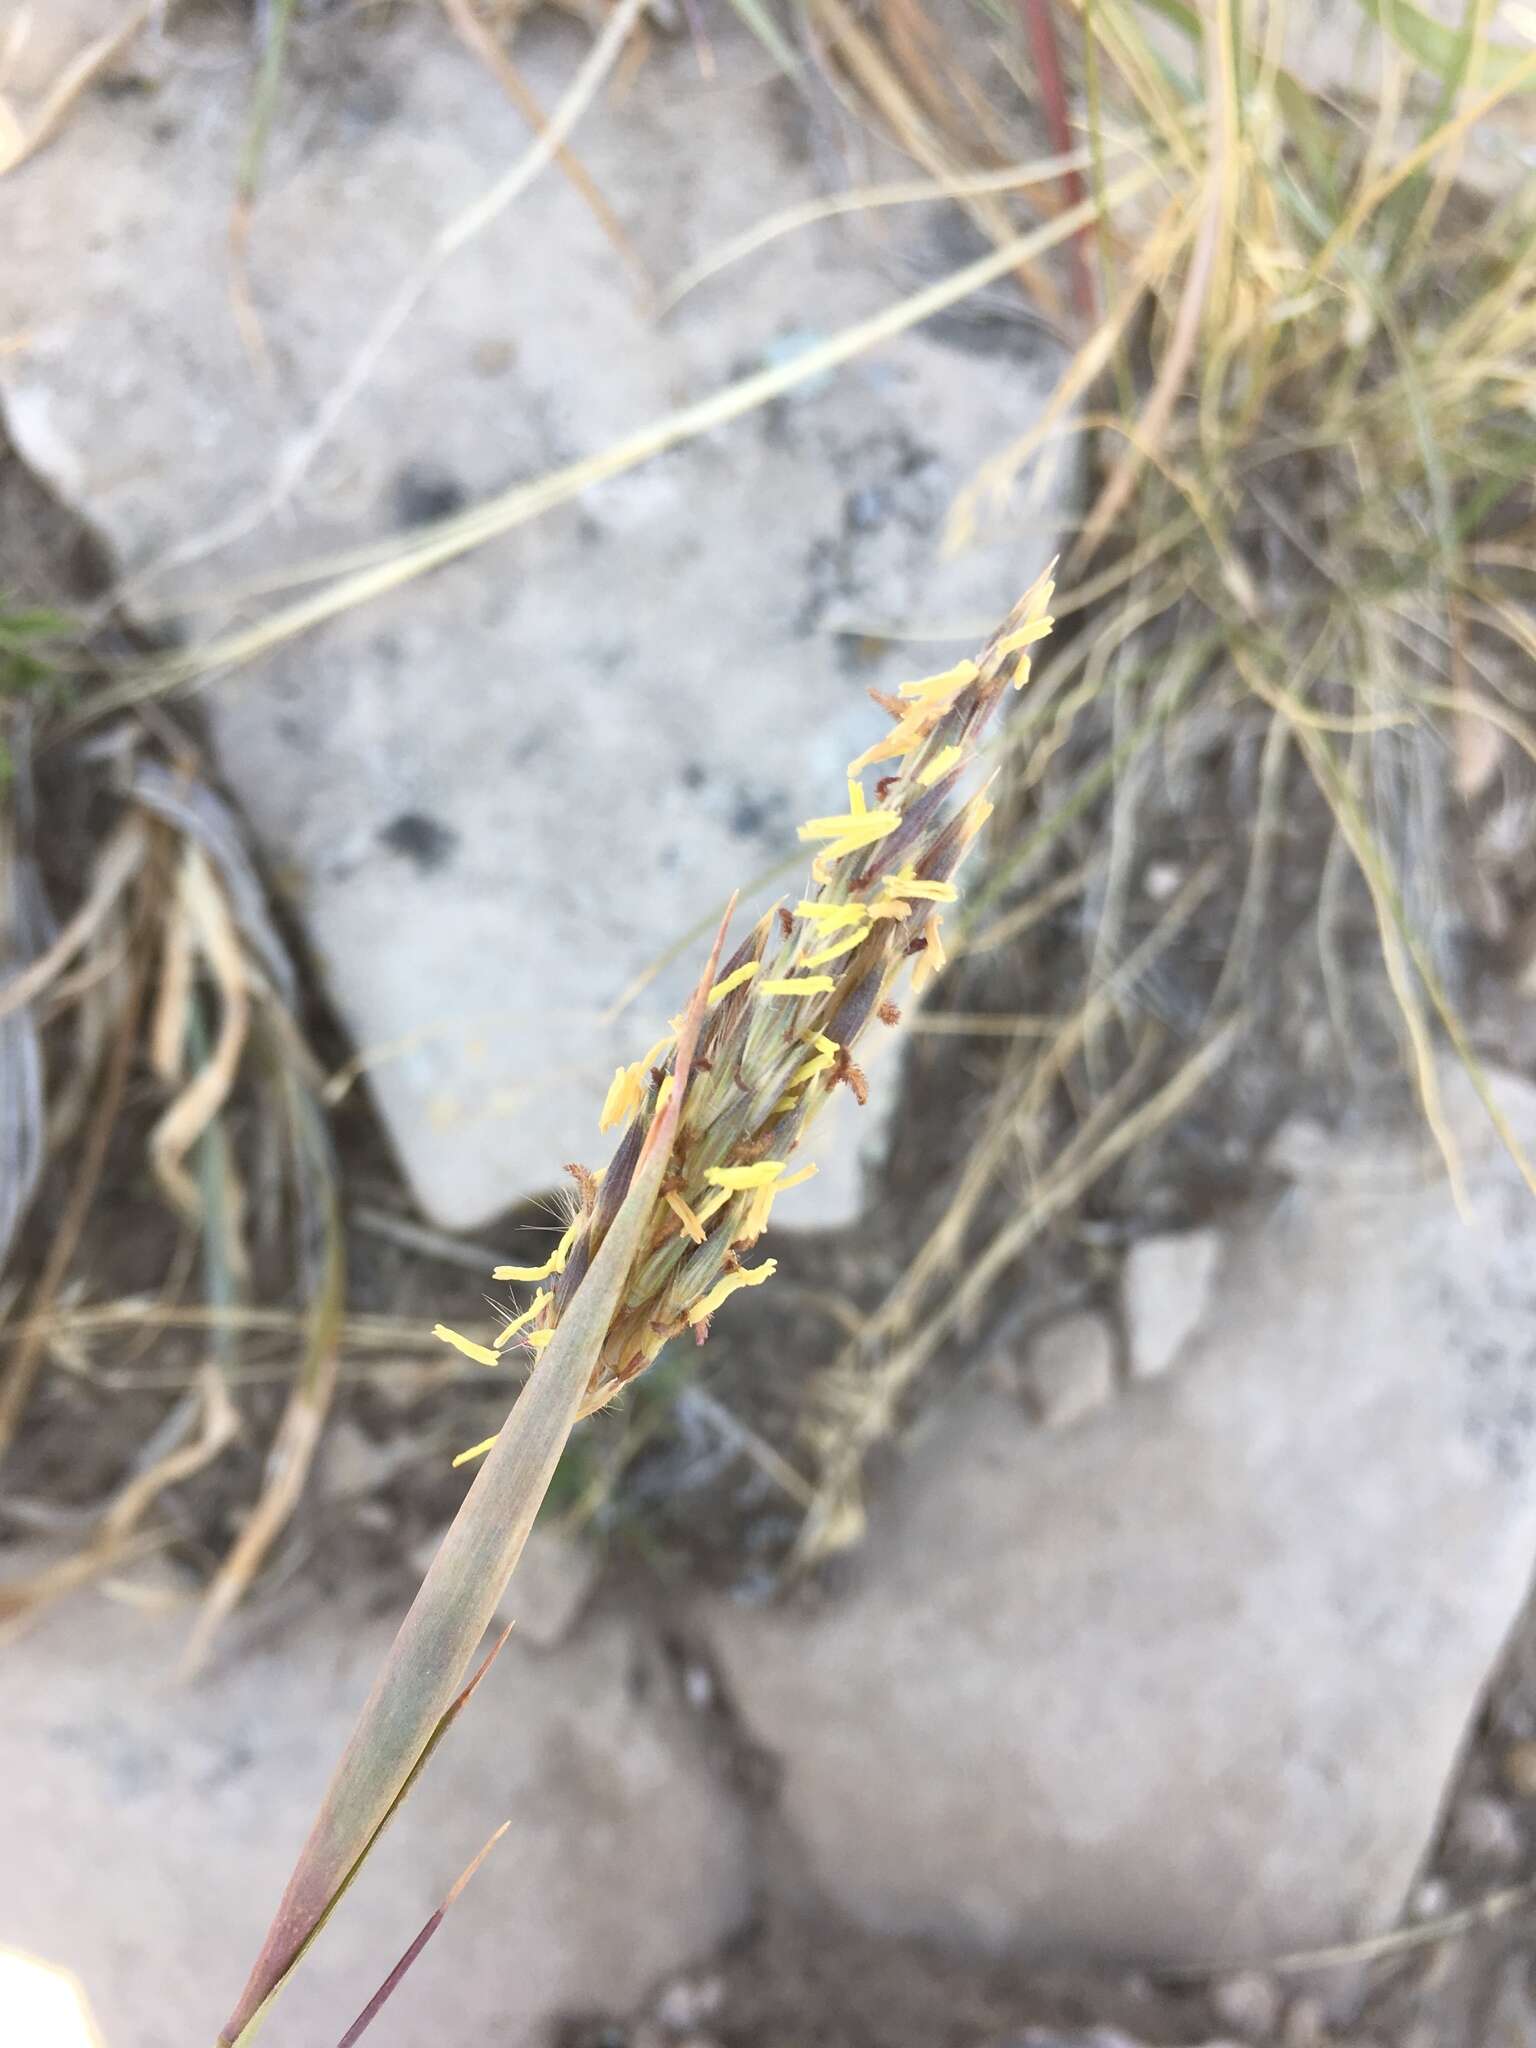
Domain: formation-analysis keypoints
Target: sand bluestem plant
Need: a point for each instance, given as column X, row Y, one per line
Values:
column 710, row 1121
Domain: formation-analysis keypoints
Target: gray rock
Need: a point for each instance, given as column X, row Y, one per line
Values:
column 1187, row 1683
column 500, row 795
column 1070, row 1371
column 1167, row 1287
column 1483, row 1831
column 1512, row 2022
column 149, row 1828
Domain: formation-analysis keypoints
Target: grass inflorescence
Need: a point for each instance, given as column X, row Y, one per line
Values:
column 783, row 1026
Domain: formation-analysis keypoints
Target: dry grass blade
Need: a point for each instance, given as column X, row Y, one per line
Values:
column 867, row 1400
column 476, row 36
column 76, row 78
column 1396, row 1941
column 203, row 817
column 117, row 1537
column 468, row 1576
column 26, row 1360
column 866, row 199
column 269, row 78
column 455, row 236
column 1435, row 144
column 116, row 865
column 1402, row 947
column 866, row 62
column 372, row 572
column 298, row 1433
column 387, row 1989
column 173, row 1454
column 1024, row 1097
column 1182, row 341
column 211, row 930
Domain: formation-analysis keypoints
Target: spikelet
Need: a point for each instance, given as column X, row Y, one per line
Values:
column 782, row 1024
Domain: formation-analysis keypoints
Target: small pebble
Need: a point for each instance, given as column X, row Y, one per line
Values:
column 699, row 1687
column 1249, row 2002
column 691, row 1999
column 1162, row 879
column 1485, row 1832
column 1167, row 1285
column 1070, row 1371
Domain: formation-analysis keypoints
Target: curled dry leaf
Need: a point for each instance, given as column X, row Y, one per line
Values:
column 201, row 903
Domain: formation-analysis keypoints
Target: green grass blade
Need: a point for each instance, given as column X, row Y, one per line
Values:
column 416, row 1687
column 762, row 24
column 1443, row 50
column 249, row 2031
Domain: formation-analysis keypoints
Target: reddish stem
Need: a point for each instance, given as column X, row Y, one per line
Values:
column 1040, row 23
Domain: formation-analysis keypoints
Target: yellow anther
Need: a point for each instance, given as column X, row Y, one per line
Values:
column 933, row 959
column 835, row 950
column 475, row 1450
column 726, row 1286
column 851, row 831
column 940, row 689
column 622, row 1098
column 1026, row 635
column 692, row 1226
column 901, row 739
column 798, row 985
column 482, row 1354
column 626, row 1091
column 508, row 1331
column 831, row 916
column 734, row 1178
column 907, row 885
column 724, row 987
column 555, row 1263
